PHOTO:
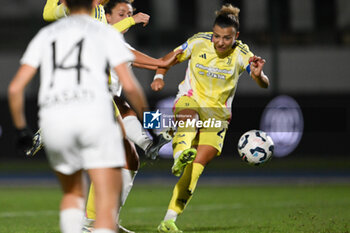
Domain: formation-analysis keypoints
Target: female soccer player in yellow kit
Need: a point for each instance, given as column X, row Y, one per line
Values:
column 216, row 60
column 52, row 12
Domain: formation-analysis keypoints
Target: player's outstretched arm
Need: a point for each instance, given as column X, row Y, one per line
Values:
column 144, row 61
column 131, row 21
column 132, row 89
column 158, row 82
column 256, row 71
column 52, row 11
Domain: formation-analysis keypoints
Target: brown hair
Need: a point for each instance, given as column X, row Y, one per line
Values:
column 79, row 4
column 227, row 16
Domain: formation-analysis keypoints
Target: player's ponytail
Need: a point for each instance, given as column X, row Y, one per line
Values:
column 227, row 16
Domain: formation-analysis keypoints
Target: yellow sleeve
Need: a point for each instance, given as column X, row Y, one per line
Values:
column 52, row 11
column 188, row 46
column 186, row 54
column 124, row 24
column 245, row 54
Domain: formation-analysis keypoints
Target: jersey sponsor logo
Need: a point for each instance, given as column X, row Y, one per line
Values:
column 214, row 69
column 215, row 75
column 213, row 72
column 204, row 56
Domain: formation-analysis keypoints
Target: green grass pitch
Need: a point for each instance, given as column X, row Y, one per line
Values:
column 269, row 208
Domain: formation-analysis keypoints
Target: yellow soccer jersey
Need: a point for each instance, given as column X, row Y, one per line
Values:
column 99, row 13
column 53, row 11
column 210, row 80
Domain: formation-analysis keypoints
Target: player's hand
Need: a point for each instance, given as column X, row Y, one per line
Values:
column 141, row 18
column 157, row 84
column 24, row 139
column 168, row 61
column 256, row 65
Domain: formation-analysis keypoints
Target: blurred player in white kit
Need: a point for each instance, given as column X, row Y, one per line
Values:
column 76, row 111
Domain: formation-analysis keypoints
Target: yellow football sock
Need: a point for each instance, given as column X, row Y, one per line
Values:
column 90, row 205
column 185, row 187
column 183, row 139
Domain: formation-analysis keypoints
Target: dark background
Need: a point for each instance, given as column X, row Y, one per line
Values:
column 306, row 44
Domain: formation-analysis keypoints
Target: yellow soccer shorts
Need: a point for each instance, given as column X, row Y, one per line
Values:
column 212, row 136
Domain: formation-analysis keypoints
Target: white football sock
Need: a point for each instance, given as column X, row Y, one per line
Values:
column 71, row 220
column 128, row 181
column 135, row 132
column 170, row 214
column 103, row 230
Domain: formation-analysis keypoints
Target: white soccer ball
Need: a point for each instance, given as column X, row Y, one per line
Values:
column 255, row 147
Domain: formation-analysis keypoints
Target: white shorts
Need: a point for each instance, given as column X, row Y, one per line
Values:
column 78, row 139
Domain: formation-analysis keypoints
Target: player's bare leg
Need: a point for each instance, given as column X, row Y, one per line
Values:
column 128, row 174
column 72, row 203
column 107, row 195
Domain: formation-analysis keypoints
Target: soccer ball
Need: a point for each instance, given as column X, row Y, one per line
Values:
column 255, row 147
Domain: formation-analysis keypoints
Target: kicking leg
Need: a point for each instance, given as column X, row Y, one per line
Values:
column 185, row 187
column 183, row 152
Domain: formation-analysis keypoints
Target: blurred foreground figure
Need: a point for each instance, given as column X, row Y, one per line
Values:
column 76, row 109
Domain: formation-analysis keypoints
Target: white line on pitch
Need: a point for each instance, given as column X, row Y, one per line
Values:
column 27, row 213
